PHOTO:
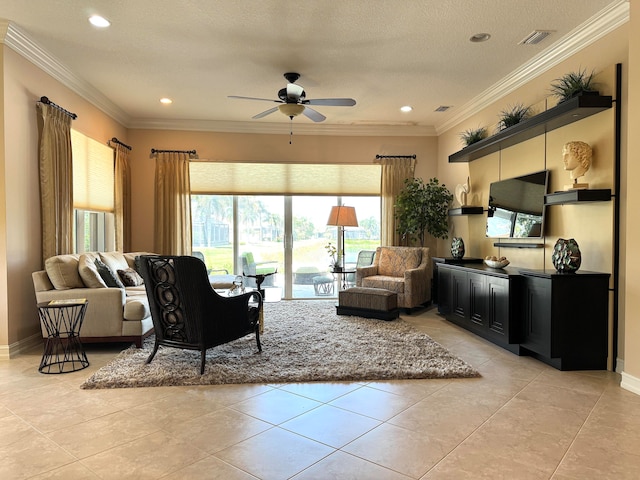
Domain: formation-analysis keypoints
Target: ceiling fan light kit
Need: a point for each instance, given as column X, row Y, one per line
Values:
column 291, row 109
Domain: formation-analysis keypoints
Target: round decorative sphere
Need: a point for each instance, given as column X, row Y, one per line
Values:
column 457, row 248
column 566, row 256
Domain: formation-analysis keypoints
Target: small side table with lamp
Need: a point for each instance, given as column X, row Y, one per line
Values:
column 342, row 216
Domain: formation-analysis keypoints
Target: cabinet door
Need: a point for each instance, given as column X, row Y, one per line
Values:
column 444, row 291
column 459, row 294
column 477, row 298
column 498, row 312
column 536, row 315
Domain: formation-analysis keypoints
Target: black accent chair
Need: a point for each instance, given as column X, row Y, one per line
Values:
column 187, row 313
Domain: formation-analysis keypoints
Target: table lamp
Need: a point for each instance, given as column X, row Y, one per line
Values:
column 342, row 216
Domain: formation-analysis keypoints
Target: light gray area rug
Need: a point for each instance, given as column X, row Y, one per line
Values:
column 303, row 341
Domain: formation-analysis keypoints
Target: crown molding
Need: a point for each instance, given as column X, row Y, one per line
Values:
column 283, row 128
column 24, row 46
column 610, row 18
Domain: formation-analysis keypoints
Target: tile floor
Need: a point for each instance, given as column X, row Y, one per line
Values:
column 521, row 420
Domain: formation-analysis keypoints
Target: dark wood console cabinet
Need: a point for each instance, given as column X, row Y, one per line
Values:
column 480, row 299
column 564, row 318
column 561, row 319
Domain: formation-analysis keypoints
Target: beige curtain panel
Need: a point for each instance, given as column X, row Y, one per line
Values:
column 394, row 173
column 56, row 182
column 172, row 204
column 122, row 198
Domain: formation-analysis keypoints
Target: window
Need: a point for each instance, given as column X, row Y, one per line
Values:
column 93, row 194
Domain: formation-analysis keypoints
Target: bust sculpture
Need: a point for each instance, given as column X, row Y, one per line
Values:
column 576, row 156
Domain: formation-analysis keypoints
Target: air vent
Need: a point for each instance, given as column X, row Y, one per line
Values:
column 443, row 108
column 535, row 37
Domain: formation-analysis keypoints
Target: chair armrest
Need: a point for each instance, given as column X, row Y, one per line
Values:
column 362, row 272
column 417, row 281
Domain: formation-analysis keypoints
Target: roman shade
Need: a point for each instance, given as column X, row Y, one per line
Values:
column 93, row 174
column 284, row 179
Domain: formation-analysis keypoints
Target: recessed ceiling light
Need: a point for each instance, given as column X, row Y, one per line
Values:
column 166, row 101
column 480, row 37
column 406, row 108
column 98, row 21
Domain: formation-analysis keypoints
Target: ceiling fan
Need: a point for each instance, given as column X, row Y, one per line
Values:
column 293, row 101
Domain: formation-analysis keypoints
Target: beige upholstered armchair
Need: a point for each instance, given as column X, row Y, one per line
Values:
column 403, row 270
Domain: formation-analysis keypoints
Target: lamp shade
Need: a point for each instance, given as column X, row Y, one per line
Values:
column 342, row 216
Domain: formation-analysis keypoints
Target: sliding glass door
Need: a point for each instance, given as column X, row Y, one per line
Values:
column 289, row 233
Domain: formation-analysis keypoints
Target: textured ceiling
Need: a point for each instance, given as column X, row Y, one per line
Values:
column 384, row 54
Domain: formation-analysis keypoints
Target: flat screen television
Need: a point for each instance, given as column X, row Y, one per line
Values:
column 516, row 206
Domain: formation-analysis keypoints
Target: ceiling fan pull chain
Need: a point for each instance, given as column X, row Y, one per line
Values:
column 290, row 129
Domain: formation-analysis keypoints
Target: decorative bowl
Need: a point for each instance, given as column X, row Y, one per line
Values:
column 496, row 263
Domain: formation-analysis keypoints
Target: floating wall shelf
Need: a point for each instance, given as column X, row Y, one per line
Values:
column 518, row 245
column 465, row 211
column 578, row 196
column 562, row 114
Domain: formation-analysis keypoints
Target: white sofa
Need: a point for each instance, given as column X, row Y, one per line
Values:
column 114, row 314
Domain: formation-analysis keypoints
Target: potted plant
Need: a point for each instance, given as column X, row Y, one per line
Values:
column 422, row 207
column 573, row 84
column 334, row 263
column 513, row 115
column 469, row 137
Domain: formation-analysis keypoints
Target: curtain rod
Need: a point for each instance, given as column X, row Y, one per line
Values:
column 192, row 153
column 46, row 101
column 115, row 140
column 378, row 157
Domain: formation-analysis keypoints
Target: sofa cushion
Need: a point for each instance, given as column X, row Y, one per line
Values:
column 110, row 278
column 89, row 272
column 133, row 259
column 395, row 261
column 130, row 278
column 63, row 271
column 114, row 260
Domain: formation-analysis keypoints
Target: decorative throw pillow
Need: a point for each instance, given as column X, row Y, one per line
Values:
column 110, row 278
column 130, row 277
column 114, row 260
column 63, row 271
column 89, row 272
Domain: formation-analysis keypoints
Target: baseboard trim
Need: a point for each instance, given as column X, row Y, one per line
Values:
column 10, row 351
column 630, row 383
column 619, row 365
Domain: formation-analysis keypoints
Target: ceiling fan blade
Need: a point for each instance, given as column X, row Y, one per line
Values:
column 314, row 115
column 265, row 113
column 254, row 98
column 331, row 102
column 294, row 92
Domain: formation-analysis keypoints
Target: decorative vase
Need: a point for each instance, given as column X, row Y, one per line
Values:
column 457, row 248
column 566, row 256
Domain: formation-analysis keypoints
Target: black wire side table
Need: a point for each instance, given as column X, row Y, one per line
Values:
column 63, row 351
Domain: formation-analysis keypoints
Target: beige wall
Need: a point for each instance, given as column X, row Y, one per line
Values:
column 631, row 301
column 20, row 246
column 232, row 147
column 590, row 224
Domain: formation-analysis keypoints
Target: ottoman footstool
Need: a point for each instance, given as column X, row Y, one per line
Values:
column 368, row 302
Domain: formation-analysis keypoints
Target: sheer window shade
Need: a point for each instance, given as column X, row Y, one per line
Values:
column 284, row 179
column 93, row 174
